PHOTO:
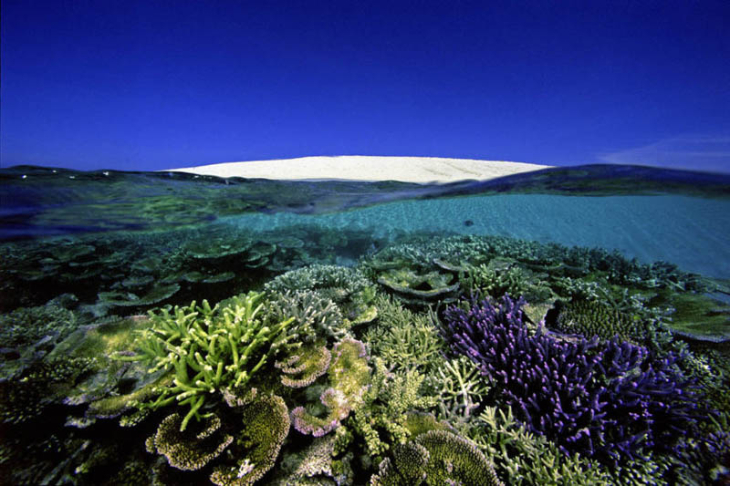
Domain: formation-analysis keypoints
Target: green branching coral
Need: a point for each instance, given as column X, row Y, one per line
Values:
column 495, row 280
column 346, row 287
column 265, row 426
column 435, row 458
column 304, row 365
column 504, row 276
column 529, row 459
column 208, row 348
column 460, row 388
column 403, row 338
column 192, row 449
column 316, row 465
column 349, row 377
column 332, row 282
column 381, row 420
column 314, row 315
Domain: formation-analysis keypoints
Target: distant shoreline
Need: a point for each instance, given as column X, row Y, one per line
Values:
column 367, row 168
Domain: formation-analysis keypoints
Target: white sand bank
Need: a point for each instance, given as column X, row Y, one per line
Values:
column 367, row 168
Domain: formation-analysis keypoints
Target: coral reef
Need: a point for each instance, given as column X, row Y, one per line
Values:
column 381, row 420
column 346, row 287
column 349, row 377
column 192, row 449
column 27, row 395
column 413, row 287
column 208, row 348
column 332, row 282
column 435, row 458
column 404, row 339
column 460, row 389
column 314, row 316
column 265, row 426
column 504, row 276
column 527, row 458
column 601, row 393
column 591, row 318
column 316, row 465
column 155, row 295
column 697, row 317
column 607, row 402
column 303, row 366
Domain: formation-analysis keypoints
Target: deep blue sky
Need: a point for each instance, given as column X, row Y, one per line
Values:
column 143, row 85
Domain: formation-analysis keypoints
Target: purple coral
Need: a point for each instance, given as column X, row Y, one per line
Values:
column 604, row 401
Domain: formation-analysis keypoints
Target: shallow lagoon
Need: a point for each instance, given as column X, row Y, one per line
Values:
column 379, row 376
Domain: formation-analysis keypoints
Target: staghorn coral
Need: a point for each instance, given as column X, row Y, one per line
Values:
column 208, row 348
column 332, row 282
column 349, row 377
column 314, row 316
column 527, row 458
column 607, row 401
column 381, row 420
column 303, row 366
column 346, row 287
column 460, row 389
column 192, row 449
column 265, row 426
column 436, row 457
column 404, row 338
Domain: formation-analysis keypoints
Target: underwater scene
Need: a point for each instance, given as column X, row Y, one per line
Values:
column 569, row 326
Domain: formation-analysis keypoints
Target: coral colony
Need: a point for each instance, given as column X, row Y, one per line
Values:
column 437, row 361
column 605, row 400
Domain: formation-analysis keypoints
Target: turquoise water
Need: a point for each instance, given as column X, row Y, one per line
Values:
column 358, row 368
column 689, row 232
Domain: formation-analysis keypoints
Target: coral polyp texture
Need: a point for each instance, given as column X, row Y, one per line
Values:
column 434, row 458
column 349, row 378
column 190, row 450
column 208, row 348
column 609, row 401
column 303, row 366
column 257, row 445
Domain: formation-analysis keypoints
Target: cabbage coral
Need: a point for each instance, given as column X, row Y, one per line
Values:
column 190, row 450
column 434, row 458
column 265, row 426
column 349, row 377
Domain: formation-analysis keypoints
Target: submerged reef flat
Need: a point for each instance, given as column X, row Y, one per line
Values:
column 313, row 355
column 38, row 201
